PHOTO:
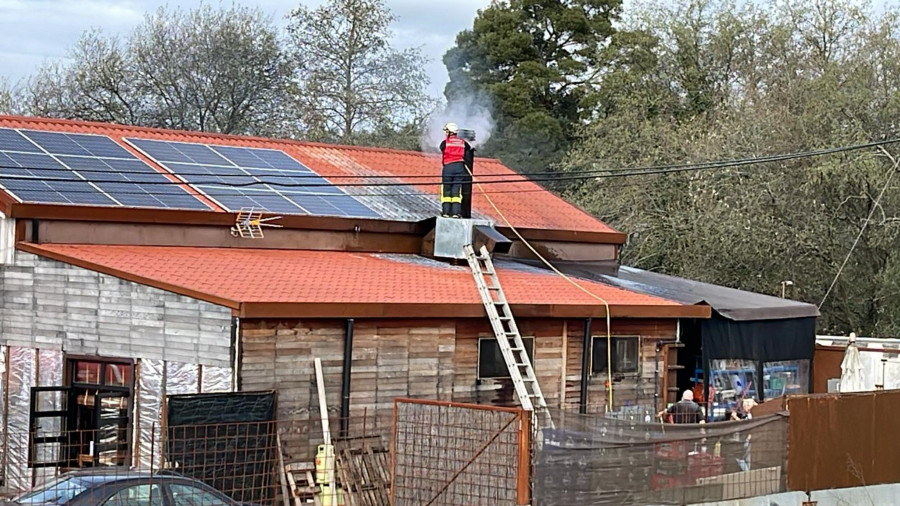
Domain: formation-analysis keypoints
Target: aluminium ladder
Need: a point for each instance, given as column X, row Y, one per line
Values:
column 504, row 325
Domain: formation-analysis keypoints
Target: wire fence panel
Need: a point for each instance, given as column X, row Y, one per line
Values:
column 597, row 460
column 459, row 454
column 201, row 464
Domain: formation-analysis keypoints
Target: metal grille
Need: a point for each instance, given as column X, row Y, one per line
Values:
column 460, row 454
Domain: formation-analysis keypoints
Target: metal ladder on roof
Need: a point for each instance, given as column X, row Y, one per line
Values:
column 507, row 332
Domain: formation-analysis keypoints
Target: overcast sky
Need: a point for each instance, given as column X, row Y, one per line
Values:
column 33, row 31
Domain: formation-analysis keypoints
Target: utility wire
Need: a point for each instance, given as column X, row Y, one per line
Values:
column 887, row 183
column 516, row 178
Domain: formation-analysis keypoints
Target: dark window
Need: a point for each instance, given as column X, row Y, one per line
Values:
column 490, row 358
column 188, row 495
column 625, row 354
column 138, row 495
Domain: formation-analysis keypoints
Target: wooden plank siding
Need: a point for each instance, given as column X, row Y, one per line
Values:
column 631, row 388
column 426, row 358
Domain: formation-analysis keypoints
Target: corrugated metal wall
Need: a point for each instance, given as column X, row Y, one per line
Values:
column 51, row 305
column 844, row 440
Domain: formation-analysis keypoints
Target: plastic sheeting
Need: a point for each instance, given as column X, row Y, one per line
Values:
column 591, row 459
column 158, row 378
column 181, row 378
column 2, row 407
column 21, row 379
column 150, row 382
column 216, row 379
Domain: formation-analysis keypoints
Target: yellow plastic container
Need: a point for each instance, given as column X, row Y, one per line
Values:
column 331, row 498
column 325, row 464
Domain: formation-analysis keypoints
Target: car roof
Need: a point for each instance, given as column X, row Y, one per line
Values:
column 104, row 475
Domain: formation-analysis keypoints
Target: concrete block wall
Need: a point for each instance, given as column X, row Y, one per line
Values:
column 47, row 304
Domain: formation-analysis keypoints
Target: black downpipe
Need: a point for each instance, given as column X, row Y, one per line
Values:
column 707, row 382
column 345, row 386
column 585, row 366
column 35, row 234
column 235, row 354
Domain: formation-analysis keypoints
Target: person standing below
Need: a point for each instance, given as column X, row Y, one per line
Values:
column 685, row 410
column 456, row 153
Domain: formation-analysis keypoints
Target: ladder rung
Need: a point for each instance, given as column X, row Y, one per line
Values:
column 493, row 288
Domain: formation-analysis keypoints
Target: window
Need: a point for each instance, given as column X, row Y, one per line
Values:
column 117, row 375
column 189, row 495
column 138, row 495
column 625, row 354
column 490, row 358
column 785, row 377
column 732, row 380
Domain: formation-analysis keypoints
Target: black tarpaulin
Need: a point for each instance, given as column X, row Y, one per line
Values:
column 731, row 303
column 761, row 340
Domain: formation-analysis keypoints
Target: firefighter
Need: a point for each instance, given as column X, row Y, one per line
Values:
column 457, row 157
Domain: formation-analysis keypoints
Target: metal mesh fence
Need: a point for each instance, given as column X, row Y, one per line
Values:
column 459, row 454
column 592, row 459
column 200, row 464
column 257, row 463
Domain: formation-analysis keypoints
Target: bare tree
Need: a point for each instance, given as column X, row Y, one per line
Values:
column 206, row 69
column 6, row 97
column 350, row 82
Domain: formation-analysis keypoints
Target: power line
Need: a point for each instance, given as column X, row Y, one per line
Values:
column 517, row 178
column 893, row 170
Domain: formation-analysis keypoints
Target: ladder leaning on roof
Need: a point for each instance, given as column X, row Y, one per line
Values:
column 507, row 332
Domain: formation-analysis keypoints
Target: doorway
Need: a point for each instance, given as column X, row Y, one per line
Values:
column 89, row 421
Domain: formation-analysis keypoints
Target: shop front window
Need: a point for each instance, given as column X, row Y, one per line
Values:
column 732, row 381
column 785, row 377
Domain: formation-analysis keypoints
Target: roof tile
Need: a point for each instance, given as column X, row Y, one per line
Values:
column 301, row 276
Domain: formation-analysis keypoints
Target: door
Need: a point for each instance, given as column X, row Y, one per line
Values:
column 111, row 435
column 47, row 437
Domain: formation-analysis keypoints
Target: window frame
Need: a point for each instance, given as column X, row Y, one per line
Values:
column 601, row 369
column 478, row 375
column 157, row 494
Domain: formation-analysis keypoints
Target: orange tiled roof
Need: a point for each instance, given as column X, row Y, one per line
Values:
column 524, row 204
column 285, row 279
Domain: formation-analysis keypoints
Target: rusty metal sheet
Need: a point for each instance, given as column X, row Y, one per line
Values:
column 843, row 440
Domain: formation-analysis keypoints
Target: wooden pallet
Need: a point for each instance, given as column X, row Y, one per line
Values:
column 363, row 465
column 302, row 482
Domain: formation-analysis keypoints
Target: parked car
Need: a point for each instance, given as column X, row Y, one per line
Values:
column 118, row 487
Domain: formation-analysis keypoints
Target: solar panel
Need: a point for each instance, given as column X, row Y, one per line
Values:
column 55, row 167
column 216, row 169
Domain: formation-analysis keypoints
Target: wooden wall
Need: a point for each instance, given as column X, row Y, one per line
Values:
column 427, row 358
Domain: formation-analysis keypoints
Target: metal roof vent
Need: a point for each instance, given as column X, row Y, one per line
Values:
column 451, row 234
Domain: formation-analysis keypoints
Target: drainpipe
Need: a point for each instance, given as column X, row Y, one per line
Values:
column 235, row 355
column 345, row 385
column 585, row 366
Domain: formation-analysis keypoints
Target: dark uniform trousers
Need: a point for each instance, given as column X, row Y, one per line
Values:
column 453, row 176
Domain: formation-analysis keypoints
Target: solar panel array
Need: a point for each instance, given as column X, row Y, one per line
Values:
column 65, row 168
column 269, row 179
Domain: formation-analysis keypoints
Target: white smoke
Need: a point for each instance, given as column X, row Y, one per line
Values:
column 468, row 112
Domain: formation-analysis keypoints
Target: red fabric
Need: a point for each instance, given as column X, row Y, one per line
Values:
column 454, row 150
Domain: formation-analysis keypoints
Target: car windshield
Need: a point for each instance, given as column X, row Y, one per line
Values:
column 55, row 492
